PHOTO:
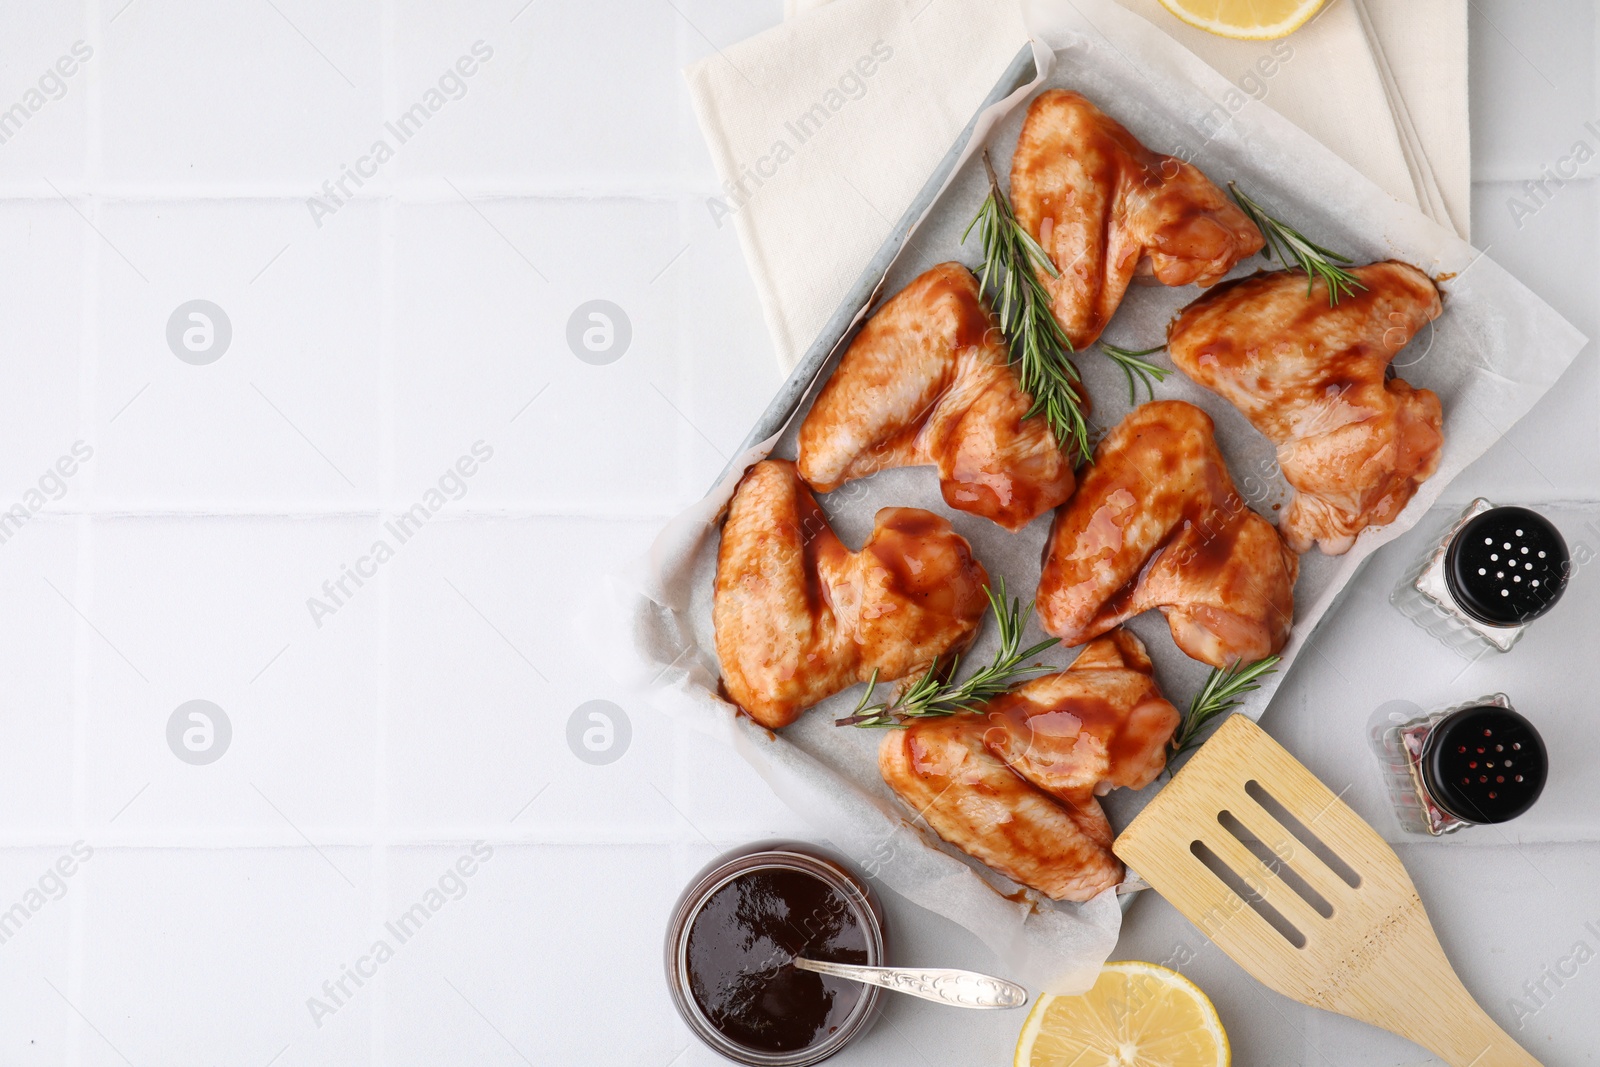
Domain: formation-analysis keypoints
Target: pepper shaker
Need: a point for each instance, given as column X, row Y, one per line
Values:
column 1494, row 572
column 1475, row 763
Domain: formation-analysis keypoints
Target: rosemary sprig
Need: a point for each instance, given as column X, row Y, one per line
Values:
column 1137, row 369
column 1316, row 261
column 1224, row 690
column 937, row 693
column 1012, row 260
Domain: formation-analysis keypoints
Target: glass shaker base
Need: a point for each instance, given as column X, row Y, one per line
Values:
column 1397, row 738
column 1423, row 597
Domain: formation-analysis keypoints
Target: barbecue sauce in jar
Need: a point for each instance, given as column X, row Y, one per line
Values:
column 740, row 947
column 731, row 946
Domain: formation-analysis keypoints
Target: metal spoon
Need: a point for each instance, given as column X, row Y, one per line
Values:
column 961, row 989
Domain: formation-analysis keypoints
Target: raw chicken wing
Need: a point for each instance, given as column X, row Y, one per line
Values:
column 799, row 617
column 972, row 799
column 1099, row 724
column 1157, row 523
column 1105, row 208
column 1353, row 442
column 927, row 381
column 1015, row 783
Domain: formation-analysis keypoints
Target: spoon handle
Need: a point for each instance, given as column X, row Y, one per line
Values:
column 963, row 989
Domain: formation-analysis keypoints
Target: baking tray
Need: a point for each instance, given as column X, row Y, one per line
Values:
column 893, row 266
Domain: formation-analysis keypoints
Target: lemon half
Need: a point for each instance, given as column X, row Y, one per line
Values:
column 1137, row 1015
column 1246, row 20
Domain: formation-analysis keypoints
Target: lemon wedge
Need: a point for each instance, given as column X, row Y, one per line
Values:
column 1137, row 1015
column 1245, row 20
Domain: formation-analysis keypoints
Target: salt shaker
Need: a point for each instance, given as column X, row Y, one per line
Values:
column 1475, row 763
column 1493, row 573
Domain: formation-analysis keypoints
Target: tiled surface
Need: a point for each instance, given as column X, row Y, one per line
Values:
column 197, row 95
column 221, row 542
column 37, row 950
column 214, row 929
column 53, row 139
column 42, row 299
column 289, row 417
column 525, row 129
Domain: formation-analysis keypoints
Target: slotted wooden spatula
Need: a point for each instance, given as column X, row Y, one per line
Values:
column 1300, row 892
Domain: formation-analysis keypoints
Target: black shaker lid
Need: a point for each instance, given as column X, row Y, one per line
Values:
column 1484, row 764
column 1507, row 566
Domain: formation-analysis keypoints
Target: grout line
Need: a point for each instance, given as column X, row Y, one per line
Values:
column 406, row 191
column 1511, row 176
column 687, row 375
column 620, row 512
column 557, row 832
column 674, row 831
column 323, row 856
column 88, row 376
column 379, row 878
column 88, row 217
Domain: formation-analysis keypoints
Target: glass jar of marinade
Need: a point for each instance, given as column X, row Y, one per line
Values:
column 732, row 939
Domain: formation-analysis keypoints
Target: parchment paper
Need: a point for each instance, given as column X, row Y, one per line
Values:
column 1495, row 350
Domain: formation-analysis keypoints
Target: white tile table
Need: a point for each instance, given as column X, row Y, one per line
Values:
column 397, row 372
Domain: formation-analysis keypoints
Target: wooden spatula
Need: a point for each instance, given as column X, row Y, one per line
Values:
column 1319, row 906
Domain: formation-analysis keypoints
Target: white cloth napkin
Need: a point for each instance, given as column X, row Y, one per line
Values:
column 1381, row 82
column 824, row 128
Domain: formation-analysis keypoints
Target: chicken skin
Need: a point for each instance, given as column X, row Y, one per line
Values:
column 799, row 617
column 1105, row 207
column 1015, row 783
column 928, row 381
column 1352, row 442
column 972, row 799
column 1081, row 732
column 1157, row 523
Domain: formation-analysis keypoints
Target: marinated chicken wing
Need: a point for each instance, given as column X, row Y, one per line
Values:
column 799, row 617
column 975, row 801
column 1105, row 207
column 927, row 381
column 1157, row 523
column 1015, row 783
column 1099, row 724
column 1354, row 443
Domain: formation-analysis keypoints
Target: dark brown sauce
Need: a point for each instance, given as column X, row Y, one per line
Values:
column 1021, row 895
column 740, row 946
column 1046, row 733
column 1211, row 540
column 955, row 283
column 818, row 543
column 923, row 560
